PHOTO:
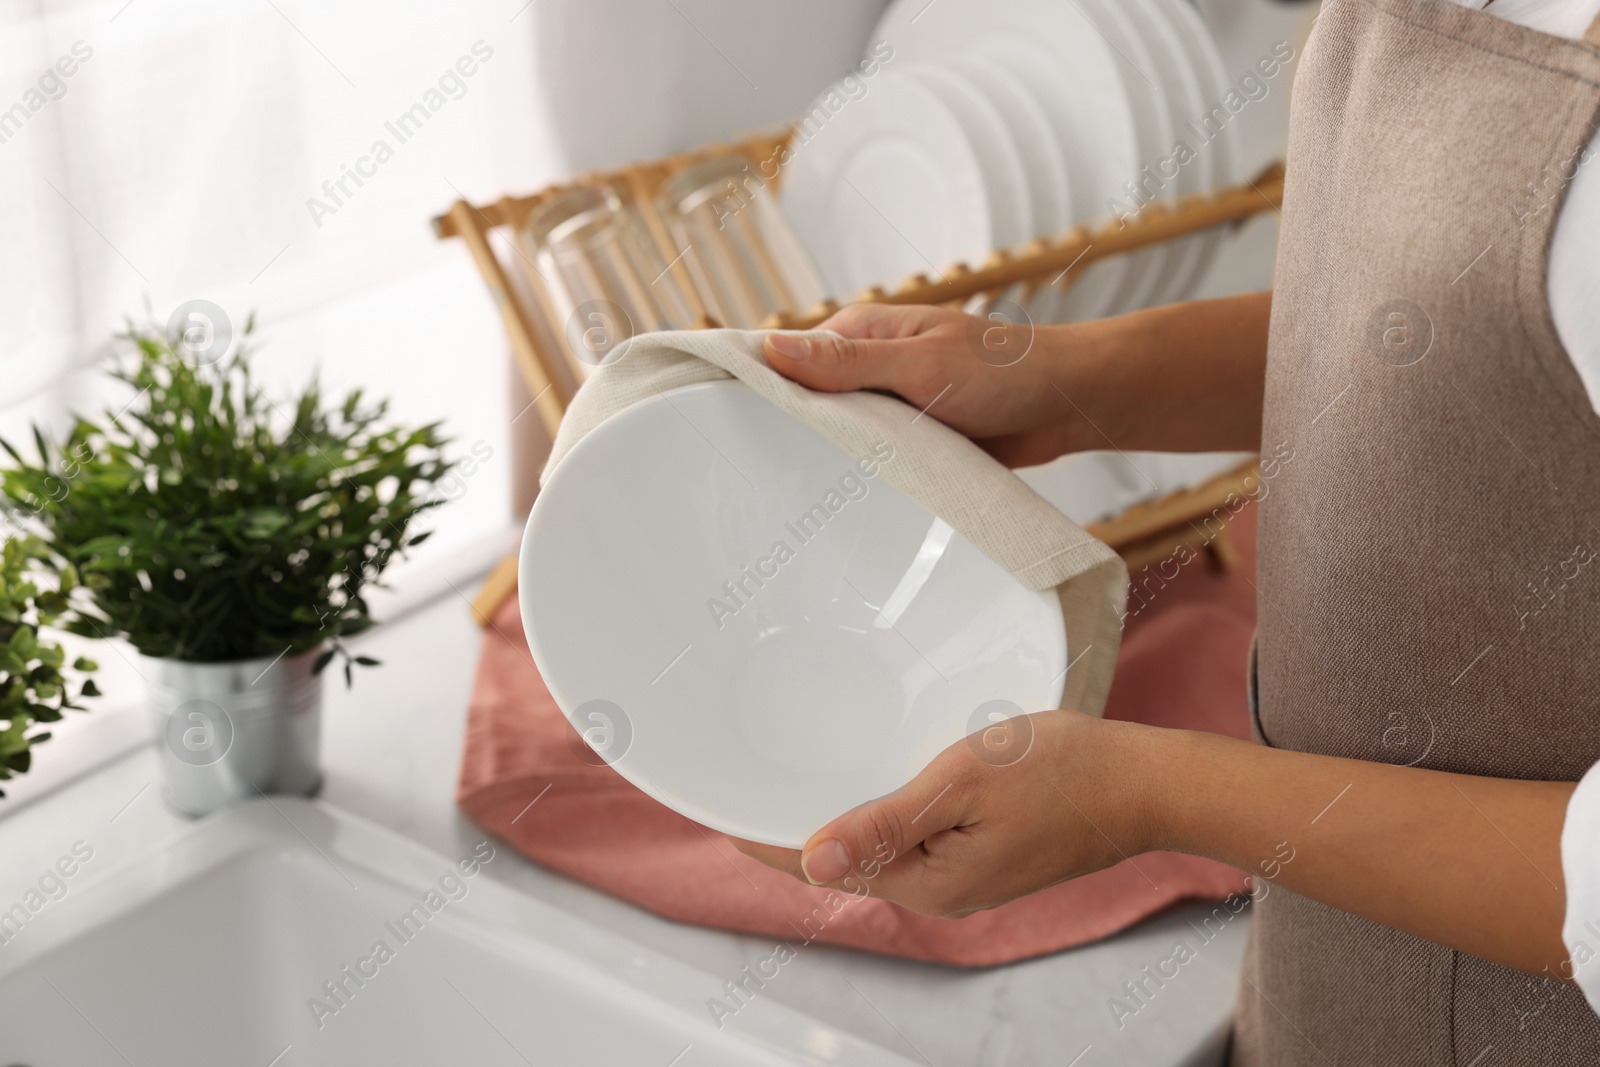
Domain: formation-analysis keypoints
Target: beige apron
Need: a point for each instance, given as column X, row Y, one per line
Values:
column 1429, row 588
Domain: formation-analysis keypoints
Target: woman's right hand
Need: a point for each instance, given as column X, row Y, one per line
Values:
column 1179, row 378
column 985, row 379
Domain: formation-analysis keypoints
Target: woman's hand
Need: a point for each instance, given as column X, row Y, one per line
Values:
column 1029, row 802
column 1180, row 378
column 986, row 379
column 1470, row 863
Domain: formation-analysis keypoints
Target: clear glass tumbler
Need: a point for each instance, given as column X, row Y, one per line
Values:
column 743, row 256
column 603, row 273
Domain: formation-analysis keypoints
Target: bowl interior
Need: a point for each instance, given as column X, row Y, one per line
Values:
column 759, row 629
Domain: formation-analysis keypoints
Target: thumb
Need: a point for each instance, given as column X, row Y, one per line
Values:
column 866, row 838
column 830, row 363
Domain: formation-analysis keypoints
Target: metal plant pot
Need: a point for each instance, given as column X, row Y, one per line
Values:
column 230, row 731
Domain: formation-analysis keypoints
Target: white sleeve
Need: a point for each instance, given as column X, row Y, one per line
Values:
column 1580, row 863
column 1575, row 271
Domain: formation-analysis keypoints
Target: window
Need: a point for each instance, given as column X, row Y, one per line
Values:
column 282, row 157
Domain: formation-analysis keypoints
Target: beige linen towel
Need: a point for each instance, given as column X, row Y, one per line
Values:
column 934, row 465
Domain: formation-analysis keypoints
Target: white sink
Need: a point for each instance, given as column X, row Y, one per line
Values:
column 211, row 949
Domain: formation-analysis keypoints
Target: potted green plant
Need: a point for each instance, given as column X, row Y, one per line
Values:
column 230, row 540
column 36, row 686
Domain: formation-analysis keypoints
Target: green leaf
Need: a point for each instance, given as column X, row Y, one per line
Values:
column 23, row 642
column 261, row 523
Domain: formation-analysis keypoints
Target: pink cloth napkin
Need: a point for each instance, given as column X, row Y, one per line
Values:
column 1182, row 664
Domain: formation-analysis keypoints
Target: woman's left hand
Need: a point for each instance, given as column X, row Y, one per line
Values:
column 1024, row 804
column 1474, row 864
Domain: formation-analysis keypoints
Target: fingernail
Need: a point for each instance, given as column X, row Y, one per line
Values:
column 790, row 346
column 827, row 862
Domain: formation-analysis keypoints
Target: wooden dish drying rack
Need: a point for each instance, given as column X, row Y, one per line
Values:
column 1144, row 535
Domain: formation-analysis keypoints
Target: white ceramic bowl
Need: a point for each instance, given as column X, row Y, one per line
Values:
column 758, row 629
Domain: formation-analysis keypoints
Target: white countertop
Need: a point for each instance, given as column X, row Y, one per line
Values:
column 391, row 748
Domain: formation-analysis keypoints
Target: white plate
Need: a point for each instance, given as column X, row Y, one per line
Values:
column 1073, row 69
column 1093, row 122
column 887, row 187
column 1223, row 149
column 762, row 691
column 1049, row 188
column 988, row 132
column 1028, row 129
column 1180, row 85
column 1153, row 123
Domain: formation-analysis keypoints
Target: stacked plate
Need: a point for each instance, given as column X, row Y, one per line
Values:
column 986, row 123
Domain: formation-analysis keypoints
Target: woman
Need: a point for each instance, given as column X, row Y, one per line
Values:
column 1426, row 567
